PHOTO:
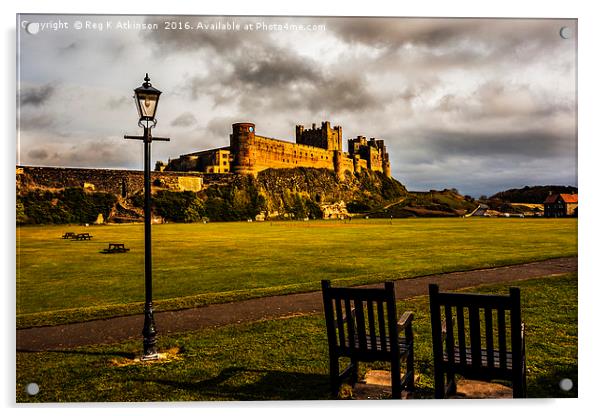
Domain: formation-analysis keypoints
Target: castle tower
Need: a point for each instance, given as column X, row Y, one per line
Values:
column 242, row 141
column 299, row 133
column 338, row 164
column 323, row 137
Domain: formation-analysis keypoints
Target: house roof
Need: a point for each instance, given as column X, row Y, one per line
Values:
column 567, row 198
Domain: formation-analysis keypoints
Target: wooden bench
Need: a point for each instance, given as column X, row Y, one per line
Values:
column 117, row 248
column 68, row 235
column 362, row 325
column 497, row 353
column 83, row 236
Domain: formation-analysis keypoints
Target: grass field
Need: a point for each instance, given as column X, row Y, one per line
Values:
column 287, row 359
column 194, row 264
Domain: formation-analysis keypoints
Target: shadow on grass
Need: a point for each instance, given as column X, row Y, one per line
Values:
column 128, row 355
column 239, row 383
column 548, row 385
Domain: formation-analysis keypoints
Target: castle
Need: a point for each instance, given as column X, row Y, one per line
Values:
column 250, row 153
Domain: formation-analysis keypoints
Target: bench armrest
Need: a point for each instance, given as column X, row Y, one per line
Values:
column 405, row 320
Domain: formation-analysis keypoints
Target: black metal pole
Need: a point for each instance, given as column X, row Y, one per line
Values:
column 149, row 332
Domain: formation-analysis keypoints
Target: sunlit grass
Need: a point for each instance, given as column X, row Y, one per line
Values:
column 195, row 264
column 287, row 359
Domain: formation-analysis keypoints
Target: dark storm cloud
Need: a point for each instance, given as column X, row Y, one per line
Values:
column 345, row 92
column 391, row 32
column 273, row 68
column 495, row 99
column 186, row 119
column 504, row 34
column 38, row 154
column 252, row 70
column 36, row 96
column 535, row 144
column 34, row 121
column 277, row 79
column 421, row 47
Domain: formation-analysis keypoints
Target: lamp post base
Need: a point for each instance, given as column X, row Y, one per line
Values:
column 150, row 357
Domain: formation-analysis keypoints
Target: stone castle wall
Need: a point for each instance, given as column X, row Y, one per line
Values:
column 124, row 183
column 272, row 153
column 318, row 147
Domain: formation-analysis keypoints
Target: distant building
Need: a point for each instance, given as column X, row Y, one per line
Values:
column 560, row 205
column 318, row 147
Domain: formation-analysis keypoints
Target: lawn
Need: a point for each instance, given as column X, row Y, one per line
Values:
column 195, row 264
column 286, row 359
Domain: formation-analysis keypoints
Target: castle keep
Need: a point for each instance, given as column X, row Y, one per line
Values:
column 318, row 147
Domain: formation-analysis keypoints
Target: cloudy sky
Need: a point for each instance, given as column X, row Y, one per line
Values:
column 481, row 105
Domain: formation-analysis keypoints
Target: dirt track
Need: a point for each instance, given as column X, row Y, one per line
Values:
column 115, row 330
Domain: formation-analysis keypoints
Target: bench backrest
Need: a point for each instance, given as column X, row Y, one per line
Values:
column 361, row 322
column 484, row 328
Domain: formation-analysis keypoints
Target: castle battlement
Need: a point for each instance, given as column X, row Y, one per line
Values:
column 318, row 147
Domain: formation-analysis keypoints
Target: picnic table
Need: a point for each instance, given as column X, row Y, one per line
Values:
column 83, row 236
column 68, row 235
column 117, row 248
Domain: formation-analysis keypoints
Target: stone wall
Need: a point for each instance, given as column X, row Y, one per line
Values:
column 272, row 153
column 123, row 183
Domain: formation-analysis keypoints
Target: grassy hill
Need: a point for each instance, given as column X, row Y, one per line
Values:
column 446, row 203
column 532, row 194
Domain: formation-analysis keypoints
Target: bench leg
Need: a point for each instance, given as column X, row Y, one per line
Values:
column 451, row 383
column 334, row 376
column 396, row 379
column 410, row 369
column 439, row 384
column 354, row 372
column 519, row 385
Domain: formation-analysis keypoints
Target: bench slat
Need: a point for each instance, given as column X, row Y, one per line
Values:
column 489, row 336
column 501, row 328
column 350, row 324
column 461, row 334
column 340, row 322
column 381, row 325
column 361, row 324
column 474, row 323
column 371, row 325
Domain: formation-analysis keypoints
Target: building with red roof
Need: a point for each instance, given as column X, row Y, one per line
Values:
column 560, row 205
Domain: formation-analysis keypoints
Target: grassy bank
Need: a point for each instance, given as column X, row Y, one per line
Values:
column 196, row 264
column 286, row 359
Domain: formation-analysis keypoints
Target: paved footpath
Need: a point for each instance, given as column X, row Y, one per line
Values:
column 115, row 330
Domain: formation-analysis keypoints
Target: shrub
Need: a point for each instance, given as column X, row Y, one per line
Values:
column 178, row 206
column 357, row 206
column 71, row 205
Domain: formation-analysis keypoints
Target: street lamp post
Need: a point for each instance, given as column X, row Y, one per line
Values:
column 147, row 99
